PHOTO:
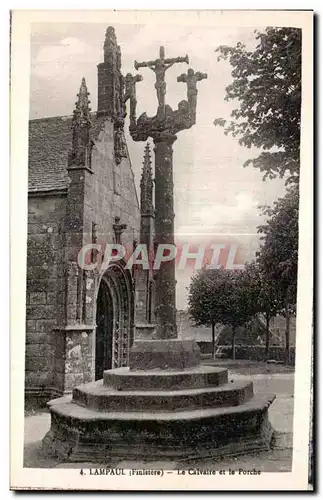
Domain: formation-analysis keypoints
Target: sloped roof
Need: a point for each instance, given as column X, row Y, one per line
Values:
column 50, row 140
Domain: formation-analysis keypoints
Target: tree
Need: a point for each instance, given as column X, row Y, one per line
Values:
column 278, row 255
column 267, row 85
column 269, row 302
column 203, row 301
column 221, row 296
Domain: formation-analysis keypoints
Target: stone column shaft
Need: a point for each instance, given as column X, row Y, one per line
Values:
column 165, row 295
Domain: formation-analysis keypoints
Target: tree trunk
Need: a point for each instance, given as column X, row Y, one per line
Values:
column 234, row 342
column 287, row 331
column 213, row 340
column 267, row 337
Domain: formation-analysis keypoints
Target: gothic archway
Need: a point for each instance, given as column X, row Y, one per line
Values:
column 114, row 319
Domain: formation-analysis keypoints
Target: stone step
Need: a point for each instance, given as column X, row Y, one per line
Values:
column 78, row 432
column 65, row 407
column 194, row 378
column 99, row 397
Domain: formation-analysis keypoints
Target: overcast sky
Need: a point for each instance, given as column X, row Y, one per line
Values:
column 213, row 192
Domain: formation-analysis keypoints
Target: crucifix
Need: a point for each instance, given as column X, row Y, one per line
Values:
column 159, row 67
column 163, row 129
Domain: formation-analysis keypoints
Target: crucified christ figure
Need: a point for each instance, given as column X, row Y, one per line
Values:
column 159, row 67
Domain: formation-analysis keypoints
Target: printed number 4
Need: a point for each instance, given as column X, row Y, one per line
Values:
column 81, row 472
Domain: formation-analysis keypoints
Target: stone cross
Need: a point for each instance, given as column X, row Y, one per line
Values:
column 191, row 79
column 159, row 67
column 163, row 128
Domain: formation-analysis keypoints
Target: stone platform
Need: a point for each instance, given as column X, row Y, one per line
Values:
column 163, row 413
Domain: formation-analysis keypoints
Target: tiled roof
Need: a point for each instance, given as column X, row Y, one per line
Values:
column 50, row 140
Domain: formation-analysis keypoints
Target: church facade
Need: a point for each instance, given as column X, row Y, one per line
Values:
column 81, row 319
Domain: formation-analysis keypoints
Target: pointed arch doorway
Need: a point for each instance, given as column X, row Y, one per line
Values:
column 104, row 331
column 114, row 319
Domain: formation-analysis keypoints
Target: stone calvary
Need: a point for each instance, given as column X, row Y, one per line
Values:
column 162, row 404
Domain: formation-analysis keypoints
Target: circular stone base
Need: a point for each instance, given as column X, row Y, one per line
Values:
column 197, row 377
column 159, row 414
column 80, row 434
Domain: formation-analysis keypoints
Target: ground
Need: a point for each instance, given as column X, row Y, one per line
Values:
column 246, row 367
column 267, row 378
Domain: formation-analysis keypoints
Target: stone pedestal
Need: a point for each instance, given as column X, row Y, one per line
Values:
column 165, row 406
column 172, row 354
column 145, row 331
column 74, row 358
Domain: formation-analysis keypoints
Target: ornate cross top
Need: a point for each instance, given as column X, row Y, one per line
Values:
column 191, row 79
column 159, row 67
column 118, row 230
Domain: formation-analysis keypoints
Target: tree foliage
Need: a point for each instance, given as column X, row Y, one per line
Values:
column 267, row 86
column 269, row 300
column 222, row 296
column 278, row 255
column 219, row 296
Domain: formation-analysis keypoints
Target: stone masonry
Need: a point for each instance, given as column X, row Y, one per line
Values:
column 80, row 180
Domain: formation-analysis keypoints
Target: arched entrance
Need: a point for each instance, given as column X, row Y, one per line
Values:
column 114, row 319
column 104, row 331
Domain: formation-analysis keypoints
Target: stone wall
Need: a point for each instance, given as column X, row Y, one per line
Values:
column 110, row 191
column 250, row 352
column 43, row 298
column 106, row 193
column 60, row 344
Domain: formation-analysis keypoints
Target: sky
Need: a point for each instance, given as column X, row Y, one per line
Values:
column 216, row 199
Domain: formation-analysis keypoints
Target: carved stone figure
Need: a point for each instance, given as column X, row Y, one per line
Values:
column 118, row 229
column 120, row 148
column 159, row 67
column 191, row 79
column 130, row 93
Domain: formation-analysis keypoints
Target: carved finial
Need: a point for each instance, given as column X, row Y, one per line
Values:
column 146, row 184
column 82, row 108
column 110, row 43
column 81, row 123
column 146, row 171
